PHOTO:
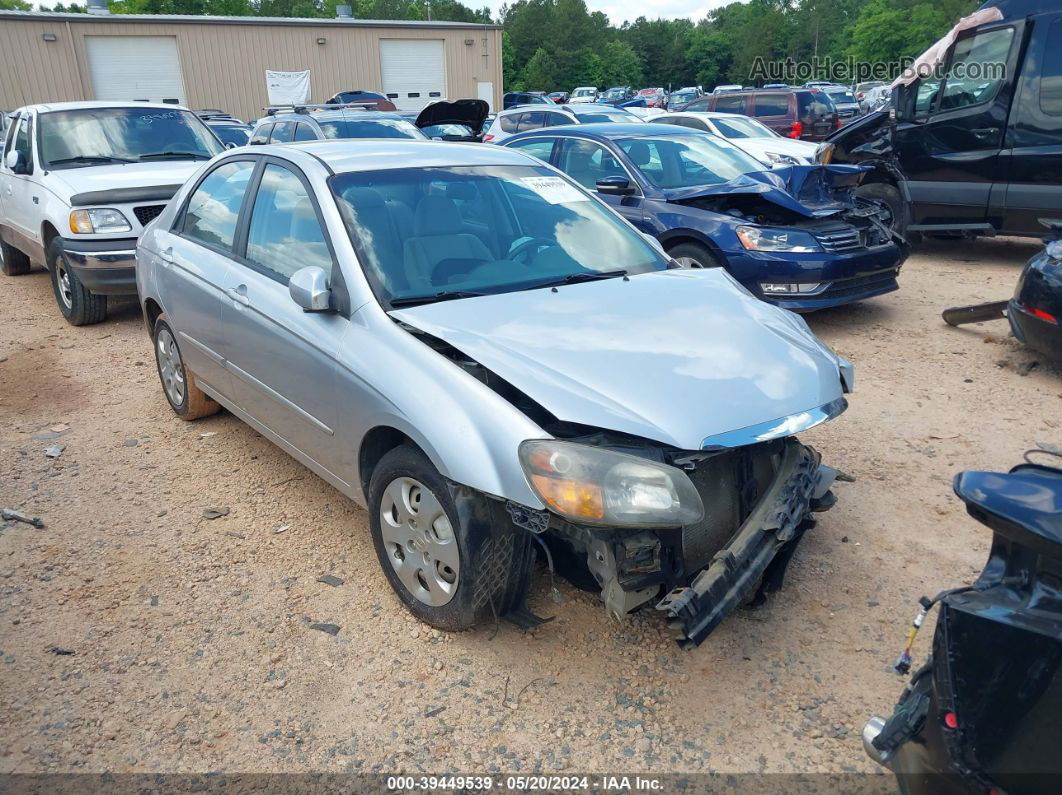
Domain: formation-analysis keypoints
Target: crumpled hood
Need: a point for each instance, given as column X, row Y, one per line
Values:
column 812, row 191
column 121, row 176
column 675, row 356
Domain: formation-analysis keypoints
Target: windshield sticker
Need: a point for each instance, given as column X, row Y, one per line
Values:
column 554, row 190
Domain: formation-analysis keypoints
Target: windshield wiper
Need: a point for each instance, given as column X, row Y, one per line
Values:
column 576, row 278
column 180, row 155
column 445, row 295
column 90, row 159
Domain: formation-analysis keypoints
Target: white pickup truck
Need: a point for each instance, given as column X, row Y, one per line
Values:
column 79, row 181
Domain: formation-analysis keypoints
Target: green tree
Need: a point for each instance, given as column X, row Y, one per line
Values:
column 540, row 73
column 621, row 65
column 15, row 5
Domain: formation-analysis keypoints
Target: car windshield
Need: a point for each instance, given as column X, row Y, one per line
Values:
column 683, row 96
column 94, row 136
column 583, row 92
column 618, row 116
column 686, row 161
column 615, row 93
column 742, row 127
column 232, row 133
column 370, row 128
column 426, row 234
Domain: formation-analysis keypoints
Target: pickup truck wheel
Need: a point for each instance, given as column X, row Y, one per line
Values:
column 187, row 400
column 78, row 305
column 890, row 196
column 15, row 262
column 422, row 543
column 694, row 255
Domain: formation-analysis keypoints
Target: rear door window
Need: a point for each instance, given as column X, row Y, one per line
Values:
column 305, row 132
column 730, row 104
column 770, row 105
column 510, row 122
column 542, row 148
column 213, row 210
column 533, row 120
column 554, row 119
column 282, row 132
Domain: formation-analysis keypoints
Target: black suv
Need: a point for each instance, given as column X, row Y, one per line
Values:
column 972, row 152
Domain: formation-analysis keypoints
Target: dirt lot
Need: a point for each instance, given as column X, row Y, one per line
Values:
column 190, row 641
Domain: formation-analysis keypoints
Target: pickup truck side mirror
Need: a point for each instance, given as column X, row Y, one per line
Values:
column 16, row 162
column 308, row 287
column 614, row 186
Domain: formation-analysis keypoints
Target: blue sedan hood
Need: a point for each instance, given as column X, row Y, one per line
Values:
column 810, row 191
column 677, row 356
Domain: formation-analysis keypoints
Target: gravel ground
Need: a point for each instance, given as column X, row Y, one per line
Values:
column 136, row 635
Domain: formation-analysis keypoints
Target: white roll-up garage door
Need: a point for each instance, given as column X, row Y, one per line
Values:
column 135, row 68
column 414, row 71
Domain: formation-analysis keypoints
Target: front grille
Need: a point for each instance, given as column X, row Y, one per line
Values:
column 841, row 241
column 145, row 215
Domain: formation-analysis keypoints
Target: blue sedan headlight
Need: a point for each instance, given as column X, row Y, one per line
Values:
column 756, row 238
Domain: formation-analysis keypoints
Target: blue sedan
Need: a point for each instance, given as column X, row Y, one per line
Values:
column 795, row 236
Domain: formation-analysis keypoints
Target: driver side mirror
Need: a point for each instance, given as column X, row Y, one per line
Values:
column 614, row 186
column 230, row 145
column 308, row 287
column 16, row 162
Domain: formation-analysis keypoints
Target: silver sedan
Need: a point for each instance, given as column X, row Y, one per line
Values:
column 494, row 362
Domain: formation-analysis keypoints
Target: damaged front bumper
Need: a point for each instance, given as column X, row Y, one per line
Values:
column 760, row 550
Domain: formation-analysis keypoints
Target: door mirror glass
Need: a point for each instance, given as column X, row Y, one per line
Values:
column 13, row 160
column 308, row 287
column 615, row 186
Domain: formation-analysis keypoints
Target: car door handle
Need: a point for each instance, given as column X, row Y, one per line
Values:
column 986, row 133
column 239, row 294
column 166, row 255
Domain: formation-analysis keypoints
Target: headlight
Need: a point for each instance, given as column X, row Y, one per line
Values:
column 590, row 485
column 756, row 238
column 87, row 222
column 783, row 160
column 824, row 154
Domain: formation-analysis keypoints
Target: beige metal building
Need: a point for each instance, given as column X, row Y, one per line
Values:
column 221, row 62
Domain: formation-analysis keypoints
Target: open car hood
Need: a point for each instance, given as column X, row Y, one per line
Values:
column 683, row 357
column 469, row 112
column 812, row 191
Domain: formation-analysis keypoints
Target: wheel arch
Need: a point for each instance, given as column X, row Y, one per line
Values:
column 49, row 232
column 152, row 310
column 676, row 237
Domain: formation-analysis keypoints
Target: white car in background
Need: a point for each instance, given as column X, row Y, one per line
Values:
column 583, row 94
column 746, row 133
column 532, row 117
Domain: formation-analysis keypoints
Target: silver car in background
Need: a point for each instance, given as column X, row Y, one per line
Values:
column 489, row 358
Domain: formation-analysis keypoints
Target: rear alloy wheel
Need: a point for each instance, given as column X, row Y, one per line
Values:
column 79, row 306
column 187, row 400
column 694, row 255
column 15, row 262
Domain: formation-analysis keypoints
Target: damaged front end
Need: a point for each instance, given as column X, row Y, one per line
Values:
column 758, row 503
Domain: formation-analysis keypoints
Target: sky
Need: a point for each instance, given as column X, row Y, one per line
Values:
column 620, row 11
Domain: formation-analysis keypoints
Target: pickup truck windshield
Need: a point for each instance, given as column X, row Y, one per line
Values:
column 97, row 136
column 435, row 234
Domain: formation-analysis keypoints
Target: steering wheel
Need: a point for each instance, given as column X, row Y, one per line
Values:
column 535, row 243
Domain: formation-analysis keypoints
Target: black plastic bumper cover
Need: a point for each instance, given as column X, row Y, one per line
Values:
column 780, row 519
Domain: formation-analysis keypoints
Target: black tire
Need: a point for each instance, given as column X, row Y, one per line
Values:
column 79, row 306
column 15, row 262
column 494, row 556
column 189, row 402
column 701, row 255
column 891, row 197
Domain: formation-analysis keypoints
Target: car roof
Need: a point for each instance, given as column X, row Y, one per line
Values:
column 48, row 107
column 335, row 115
column 711, row 114
column 346, row 156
